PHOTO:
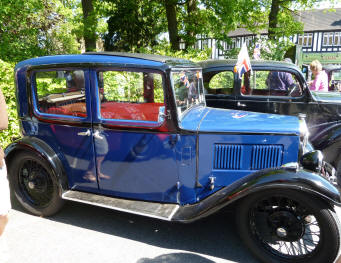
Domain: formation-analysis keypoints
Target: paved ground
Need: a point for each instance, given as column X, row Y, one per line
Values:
column 83, row 233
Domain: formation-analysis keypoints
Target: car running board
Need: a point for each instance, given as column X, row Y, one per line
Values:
column 150, row 209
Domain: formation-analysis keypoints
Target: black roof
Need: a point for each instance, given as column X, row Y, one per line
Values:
column 216, row 63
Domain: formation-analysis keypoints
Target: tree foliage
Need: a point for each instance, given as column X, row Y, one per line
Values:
column 7, row 88
column 35, row 28
column 134, row 24
column 89, row 25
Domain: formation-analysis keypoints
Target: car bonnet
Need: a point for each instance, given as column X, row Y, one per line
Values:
column 205, row 119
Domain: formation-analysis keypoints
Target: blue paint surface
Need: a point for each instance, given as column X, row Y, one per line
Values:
column 77, row 59
column 206, row 119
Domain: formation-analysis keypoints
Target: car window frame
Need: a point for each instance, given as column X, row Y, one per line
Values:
column 120, row 122
column 289, row 70
column 43, row 116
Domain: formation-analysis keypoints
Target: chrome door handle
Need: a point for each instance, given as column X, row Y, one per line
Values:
column 241, row 104
column 86, row 133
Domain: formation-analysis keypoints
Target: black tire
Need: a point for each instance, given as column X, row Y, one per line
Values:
column 34, row 184
column 285, row 226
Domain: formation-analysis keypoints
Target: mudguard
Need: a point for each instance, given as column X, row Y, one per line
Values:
column 328, row 140
column 40, row 148
column 281, row 178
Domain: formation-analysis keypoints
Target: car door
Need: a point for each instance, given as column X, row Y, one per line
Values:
column 63, row 109
column 134, row 158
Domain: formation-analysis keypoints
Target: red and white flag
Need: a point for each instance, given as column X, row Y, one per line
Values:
column 243, row 63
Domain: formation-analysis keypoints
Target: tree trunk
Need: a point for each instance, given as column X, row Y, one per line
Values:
column 170, row 6
column 191, row 23
column 273, row 19
column 90, row 25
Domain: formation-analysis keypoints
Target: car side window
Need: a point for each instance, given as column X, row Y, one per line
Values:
column 128, row 95
column 220, row 83
column 61, row 92
column 270, row 83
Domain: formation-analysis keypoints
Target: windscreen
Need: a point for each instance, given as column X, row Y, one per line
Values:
column 188, row 89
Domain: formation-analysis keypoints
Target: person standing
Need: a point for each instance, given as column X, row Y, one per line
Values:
column 279, row 80
column 320, row 82
column 5, row 203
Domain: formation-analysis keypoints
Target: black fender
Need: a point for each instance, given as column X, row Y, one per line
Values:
column 328, row 140
column 280, row 178
column 32, row 144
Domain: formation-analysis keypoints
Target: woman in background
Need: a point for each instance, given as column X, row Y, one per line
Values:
column 320, row 82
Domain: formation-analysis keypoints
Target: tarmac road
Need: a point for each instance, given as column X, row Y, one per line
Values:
column 83, row 233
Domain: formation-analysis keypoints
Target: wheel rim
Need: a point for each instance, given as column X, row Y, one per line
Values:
column 35, row 183
column 285, row 227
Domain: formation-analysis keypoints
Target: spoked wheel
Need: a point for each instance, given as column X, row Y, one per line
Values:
column 35, row 184
column 288, row 226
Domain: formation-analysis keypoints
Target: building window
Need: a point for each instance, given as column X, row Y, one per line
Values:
column 337, row 39
column 249, row 41
column 328, row 39
column 305, row 40
column 230, row 46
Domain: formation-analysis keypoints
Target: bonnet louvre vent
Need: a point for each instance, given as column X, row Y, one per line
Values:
column 228, row 157
column 247, row 157
column 266, row 156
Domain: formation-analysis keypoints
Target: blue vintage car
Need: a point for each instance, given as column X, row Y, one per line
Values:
column 132, row 132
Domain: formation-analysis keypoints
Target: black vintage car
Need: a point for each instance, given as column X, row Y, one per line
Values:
column 261, row 91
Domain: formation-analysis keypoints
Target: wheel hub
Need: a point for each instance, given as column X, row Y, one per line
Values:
column 31, row 185
column 281, row 232
column 286, row 226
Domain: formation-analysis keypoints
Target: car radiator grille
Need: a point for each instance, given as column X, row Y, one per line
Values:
column 247, row 157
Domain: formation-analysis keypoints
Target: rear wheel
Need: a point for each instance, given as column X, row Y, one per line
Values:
column 35, row 184
column 288, row 226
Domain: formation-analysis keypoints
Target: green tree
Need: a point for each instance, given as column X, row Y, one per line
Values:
column 89, row 25
column 36, row 27
column 172, row 23
column 134, row 24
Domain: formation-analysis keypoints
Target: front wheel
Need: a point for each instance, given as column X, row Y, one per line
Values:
column 288, row 226
column 34, row 184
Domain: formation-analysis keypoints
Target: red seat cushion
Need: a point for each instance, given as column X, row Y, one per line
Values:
column 131, row 111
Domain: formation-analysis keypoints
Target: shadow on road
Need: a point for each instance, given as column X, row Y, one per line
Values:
column 215, row 236
column 176, row 258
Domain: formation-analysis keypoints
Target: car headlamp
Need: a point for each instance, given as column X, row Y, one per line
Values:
column 312, row 161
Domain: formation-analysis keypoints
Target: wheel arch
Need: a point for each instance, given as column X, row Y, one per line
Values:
column 43, row 150
column 327, row 200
